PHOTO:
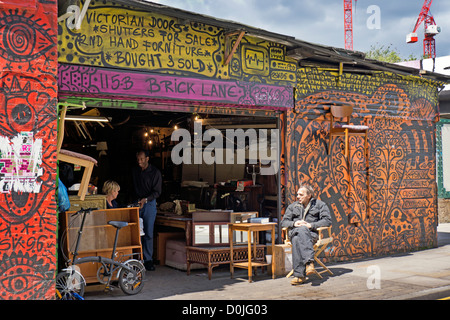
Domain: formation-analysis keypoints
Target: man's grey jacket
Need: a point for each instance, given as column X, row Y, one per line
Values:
column 318, row 215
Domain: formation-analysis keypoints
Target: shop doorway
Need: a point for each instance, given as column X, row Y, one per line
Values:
column 204, row 185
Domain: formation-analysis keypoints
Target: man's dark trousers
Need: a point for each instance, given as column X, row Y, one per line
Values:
column 148, row 215
column 302, row 240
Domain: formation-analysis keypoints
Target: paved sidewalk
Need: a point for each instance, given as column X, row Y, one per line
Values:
column 412, row 275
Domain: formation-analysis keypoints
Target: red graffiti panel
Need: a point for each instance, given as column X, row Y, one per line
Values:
column 28, row 90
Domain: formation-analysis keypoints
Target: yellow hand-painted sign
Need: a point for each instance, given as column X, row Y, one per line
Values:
column 114, row 37
column 126, row 38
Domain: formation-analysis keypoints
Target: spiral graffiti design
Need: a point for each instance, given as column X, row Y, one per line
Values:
column 20, row 39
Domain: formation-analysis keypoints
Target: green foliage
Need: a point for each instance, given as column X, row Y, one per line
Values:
column 386, row 54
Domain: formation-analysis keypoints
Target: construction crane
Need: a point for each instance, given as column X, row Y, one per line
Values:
column 348, row 24
column 431, row 29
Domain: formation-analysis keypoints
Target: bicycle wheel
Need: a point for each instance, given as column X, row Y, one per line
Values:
column 132, row 284
column 69, row 285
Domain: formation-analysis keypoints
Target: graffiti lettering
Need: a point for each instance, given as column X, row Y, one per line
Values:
column 124, row 31
column 155, row 86
column 92, row 41
column 115, row 82
column 161, row 23
column 38, row 243
column 222, row 91
column 115, row 19
column 199, row 40
column 138, row 60
column 121, row 43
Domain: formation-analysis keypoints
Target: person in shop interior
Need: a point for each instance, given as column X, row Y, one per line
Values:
column 111, row 190
column 302, row 218
column 147, row 183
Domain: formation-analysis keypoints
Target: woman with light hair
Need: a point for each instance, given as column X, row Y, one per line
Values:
column 111, row 190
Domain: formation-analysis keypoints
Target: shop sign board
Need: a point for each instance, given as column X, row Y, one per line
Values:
column 128, row 84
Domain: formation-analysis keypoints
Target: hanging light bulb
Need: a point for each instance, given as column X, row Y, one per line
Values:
column 197, row 117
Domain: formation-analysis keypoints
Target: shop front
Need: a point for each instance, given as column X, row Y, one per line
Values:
column 234, row 117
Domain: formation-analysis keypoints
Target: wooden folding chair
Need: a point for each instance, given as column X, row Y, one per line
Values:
column 73, row 157
column 319, row 246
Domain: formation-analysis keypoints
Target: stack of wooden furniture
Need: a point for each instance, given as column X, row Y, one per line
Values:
column 211, row 240
column 72, row 157
column 98, row 237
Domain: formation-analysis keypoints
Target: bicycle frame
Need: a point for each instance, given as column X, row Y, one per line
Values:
column 104, row 261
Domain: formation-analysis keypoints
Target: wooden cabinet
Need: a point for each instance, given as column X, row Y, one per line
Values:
column 210, row 228
column 98, row 237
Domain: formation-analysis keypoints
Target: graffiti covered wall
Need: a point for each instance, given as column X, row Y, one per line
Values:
column 399, row 212
column 28, row 88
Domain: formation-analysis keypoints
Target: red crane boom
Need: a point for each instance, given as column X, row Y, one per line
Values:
column 348, row 24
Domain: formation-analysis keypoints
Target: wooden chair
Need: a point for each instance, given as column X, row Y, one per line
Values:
column 73, row 157
column 319, row 246
column 341, row 127
column 346, row 129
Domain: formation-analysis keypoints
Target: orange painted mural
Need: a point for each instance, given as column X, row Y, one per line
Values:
column 382, row 204
column 28, row 89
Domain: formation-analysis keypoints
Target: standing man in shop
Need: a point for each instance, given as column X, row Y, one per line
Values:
column 147, row 182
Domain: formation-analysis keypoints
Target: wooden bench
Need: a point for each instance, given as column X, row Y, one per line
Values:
column 215, row 256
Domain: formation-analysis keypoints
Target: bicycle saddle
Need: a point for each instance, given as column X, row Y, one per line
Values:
column 118, row 224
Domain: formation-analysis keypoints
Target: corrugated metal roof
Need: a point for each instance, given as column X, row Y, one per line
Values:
column 316, row 52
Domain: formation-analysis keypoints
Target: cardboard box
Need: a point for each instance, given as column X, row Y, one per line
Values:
column 283, row 259
column 160, row 244
column 176, row 255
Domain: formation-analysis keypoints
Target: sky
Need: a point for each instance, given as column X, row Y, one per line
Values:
column 375, row 22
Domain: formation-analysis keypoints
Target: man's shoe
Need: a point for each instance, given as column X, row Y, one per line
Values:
column 149, row 266
column 310, row 269
column 297, row 281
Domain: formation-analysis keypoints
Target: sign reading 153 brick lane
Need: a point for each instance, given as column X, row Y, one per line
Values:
column 119, row 83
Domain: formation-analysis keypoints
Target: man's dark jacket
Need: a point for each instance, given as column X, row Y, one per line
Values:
column 318, row 215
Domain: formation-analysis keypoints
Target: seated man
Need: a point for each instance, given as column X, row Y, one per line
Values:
column 303, row 217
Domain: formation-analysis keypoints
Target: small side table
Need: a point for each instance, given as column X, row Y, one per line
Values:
column 249, row 228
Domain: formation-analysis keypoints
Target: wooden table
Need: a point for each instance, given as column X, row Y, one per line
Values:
column 251, row 261
column 176, row 221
